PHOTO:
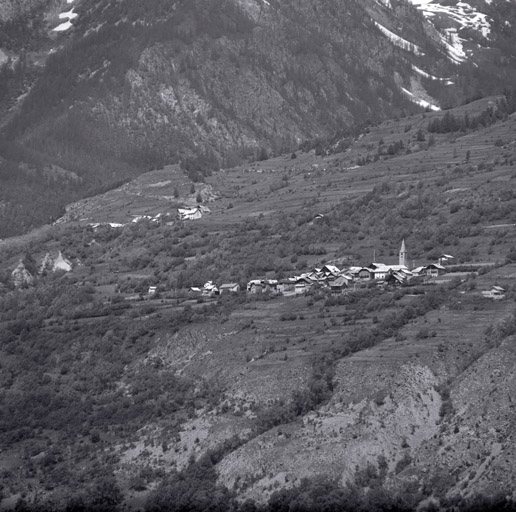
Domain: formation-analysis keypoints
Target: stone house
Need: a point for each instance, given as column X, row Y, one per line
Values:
column 229, row 288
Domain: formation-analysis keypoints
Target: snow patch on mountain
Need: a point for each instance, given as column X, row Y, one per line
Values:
column 421, row 102
column 385, row 3
column 462, row 16
column 453, row 44
column 424, row 74
column 462, row 13
column 399, row 41
column 419, row 71
column 68, row 16
column 63, row 27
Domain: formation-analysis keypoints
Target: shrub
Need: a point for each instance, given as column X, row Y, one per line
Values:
column 405, row 461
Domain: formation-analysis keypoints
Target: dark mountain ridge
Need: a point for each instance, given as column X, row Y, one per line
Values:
column 207, row 84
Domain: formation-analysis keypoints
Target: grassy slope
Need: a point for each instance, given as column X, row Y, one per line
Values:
column 403, row 397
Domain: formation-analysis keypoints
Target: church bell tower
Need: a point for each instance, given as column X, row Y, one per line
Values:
column 403, row 254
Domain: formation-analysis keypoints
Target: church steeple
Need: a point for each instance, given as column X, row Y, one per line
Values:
column 403, row 254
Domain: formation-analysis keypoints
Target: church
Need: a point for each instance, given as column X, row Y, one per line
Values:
column 380, row 271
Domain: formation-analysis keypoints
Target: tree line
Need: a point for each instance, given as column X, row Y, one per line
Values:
column 450, row 123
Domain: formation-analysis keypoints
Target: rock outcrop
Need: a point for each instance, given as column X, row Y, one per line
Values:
column 21, row 276
column 54, row 263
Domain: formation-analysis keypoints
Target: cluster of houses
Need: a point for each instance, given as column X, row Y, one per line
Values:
column 338, row 281
column 331, row 277
column 327, row 277
column 186, row 213
column 211, row 290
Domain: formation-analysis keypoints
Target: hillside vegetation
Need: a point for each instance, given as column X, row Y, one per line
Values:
column 386, row 398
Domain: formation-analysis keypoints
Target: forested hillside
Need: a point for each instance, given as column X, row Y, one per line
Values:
column 139, row 84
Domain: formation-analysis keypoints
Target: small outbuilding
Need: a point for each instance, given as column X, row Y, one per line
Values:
column 495, row 292
column 210, row 289
column 365, row 274
column 286, row 286
column 229, row 288
column 303, row 284
column 435, row 270
column 255, row 286
column 340, row 284
column 395, row 278
column 419, row 271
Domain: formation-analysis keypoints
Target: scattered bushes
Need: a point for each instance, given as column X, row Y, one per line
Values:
column 318, row 390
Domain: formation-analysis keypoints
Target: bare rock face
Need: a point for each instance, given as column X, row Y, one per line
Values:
column 61, row 263
column 437, row 421
column 475, row 444
column 53, row 263
column 21, row 276
column 394, row 417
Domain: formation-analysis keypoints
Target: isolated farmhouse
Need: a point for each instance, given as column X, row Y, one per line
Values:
column 194, row 213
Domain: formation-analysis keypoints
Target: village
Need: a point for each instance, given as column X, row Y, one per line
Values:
column 332, row 278
column 327, row 277
column 340, row 281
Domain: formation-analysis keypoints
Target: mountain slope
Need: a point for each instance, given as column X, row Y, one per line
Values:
column 378, row 395
column 218, row 76
column 209, row 83
column 132, row 85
